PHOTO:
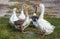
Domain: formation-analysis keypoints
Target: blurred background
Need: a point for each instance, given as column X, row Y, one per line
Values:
column 52, row 7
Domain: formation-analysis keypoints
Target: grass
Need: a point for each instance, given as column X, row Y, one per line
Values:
column 8, row 32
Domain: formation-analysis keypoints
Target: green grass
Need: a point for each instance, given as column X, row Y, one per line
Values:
column 8, row 32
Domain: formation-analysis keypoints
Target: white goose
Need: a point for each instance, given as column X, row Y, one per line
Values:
column 27, row 21
column 44, row 25
column 13, row 17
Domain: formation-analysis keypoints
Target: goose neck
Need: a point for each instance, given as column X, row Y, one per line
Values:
column 42, row 11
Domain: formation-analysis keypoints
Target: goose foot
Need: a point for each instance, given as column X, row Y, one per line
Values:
column 43, row 35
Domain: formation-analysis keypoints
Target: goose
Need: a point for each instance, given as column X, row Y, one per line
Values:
column 27, row 21
column 13, row 17
column 45, row 27
column 34, row 17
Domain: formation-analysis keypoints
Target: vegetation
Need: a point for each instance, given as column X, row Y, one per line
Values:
column 8, row 32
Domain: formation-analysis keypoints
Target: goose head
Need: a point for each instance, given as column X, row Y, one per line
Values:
column 34, row 17
column 34, row 14
column 14, row 9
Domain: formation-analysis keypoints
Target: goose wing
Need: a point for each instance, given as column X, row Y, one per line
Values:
column 27, row 22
